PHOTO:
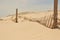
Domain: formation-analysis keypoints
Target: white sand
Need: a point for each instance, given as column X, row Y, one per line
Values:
column 27, row 30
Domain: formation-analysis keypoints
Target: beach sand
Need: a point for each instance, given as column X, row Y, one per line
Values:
column 27, row 30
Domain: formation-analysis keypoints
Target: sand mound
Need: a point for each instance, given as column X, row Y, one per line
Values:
column 27, row 28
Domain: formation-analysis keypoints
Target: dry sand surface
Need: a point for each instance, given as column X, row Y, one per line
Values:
column 27, row 30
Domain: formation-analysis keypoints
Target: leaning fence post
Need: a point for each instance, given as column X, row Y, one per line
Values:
column 16, row 15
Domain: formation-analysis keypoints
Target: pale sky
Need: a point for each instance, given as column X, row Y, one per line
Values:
column 8, row 7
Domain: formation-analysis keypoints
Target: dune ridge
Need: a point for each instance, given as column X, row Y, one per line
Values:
column 29, row 27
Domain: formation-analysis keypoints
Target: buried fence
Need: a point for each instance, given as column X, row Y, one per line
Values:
column 47, row 21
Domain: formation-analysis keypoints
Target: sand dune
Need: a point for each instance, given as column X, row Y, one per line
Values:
column 27, row 27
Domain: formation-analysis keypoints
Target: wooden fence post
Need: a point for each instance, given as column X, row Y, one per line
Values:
column 55, row 13
column 16, row 15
